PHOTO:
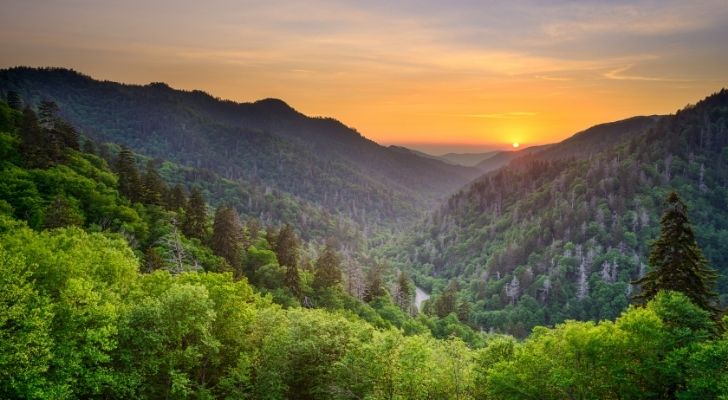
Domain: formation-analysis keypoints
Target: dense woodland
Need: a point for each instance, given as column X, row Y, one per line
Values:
column 125, row 276
column 548, row 239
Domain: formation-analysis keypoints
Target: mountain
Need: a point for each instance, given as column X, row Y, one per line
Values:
column 468, row 159
column 561, row 234
column 597, row 138
column 502, row 158
column 266, row 143
column 407, row 150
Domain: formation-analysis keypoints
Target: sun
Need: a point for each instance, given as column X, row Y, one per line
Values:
column 516, row 145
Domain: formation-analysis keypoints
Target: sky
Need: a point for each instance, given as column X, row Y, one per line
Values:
column 438, row 76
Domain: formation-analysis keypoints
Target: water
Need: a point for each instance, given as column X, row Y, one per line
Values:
column 420, row 297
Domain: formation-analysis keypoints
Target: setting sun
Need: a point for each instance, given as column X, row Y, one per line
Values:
column 516, row 145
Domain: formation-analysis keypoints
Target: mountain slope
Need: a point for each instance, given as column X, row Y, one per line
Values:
column 265, row 142
column 544, row 240
column 468, row 159
column 504, row 157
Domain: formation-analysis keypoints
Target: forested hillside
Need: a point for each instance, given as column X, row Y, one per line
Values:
column 552, row 237
column 116, row 283
column 265, row 144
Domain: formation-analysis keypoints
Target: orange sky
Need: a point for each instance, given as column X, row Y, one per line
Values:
column 457, row 76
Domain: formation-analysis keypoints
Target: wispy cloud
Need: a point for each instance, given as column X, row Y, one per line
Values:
column 618, row 74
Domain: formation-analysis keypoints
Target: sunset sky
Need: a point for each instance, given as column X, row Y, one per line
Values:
column 433, row 75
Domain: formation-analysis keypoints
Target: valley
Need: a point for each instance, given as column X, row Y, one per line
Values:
column 159, row 243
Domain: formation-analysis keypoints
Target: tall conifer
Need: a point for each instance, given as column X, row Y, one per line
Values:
column 677, row 262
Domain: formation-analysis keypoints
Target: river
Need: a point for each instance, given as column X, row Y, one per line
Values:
column 420, row 297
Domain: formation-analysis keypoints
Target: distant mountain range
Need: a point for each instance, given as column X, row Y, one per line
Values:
column 266, row 143
column 468, row 159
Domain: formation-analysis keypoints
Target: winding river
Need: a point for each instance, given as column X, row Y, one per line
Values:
column 420, row 297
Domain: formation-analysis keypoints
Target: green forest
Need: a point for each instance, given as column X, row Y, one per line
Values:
column 558, row 235
column 130, row 276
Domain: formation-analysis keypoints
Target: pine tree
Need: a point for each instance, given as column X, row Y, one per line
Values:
column 33, row 141
column 89, row 147
column 327, row 269
column 195, row 222
column 375, row 283
column 445, row 304
column 175, row 198
column 65, row 134
column 47, row 113
column 403, row 296
column 130, row 184
column 287, row 247
column 14, row 100
column 154, row 189
column 677, row 262
column 226, row 238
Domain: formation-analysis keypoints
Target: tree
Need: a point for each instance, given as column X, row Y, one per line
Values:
column 61, row 213
column 195, row 222
column 130, row 184
column 287, row 248
column 152, row 260
column 47, row 113
column 89, row 147
column 677, row 262
column 227, row 236
column 36, row 150
column 403, row 295
column 64, row 134
column 375, row 283
column 14, row 100
column 154, row 189
column 327, row 272
column 175, row 198
column 445, row 304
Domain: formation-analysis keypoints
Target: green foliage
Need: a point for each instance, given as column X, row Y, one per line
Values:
column 571, row 229
column 677, row 262
column 226, row 238
column 327, row 273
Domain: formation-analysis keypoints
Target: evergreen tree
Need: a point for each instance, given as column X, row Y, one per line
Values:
column 175, row 198
column 327, row 269
column 130, row 184
column 14, row 100
column 445, row 304
column 154, row 187
column 677, row 262
column 33, row 141
column 375, row 283
column 287, row 248
column 195, row 222
column 89, row 147
column 65, row 134
column 403, row 297
column 226, row 238
column 47, row 113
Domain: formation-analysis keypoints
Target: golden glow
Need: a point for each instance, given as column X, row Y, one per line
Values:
column 405, row 73
column 516, row 145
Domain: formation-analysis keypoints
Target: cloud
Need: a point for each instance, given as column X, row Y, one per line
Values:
column 617, row 74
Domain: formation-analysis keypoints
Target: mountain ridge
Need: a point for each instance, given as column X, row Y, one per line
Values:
column 266, row 142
